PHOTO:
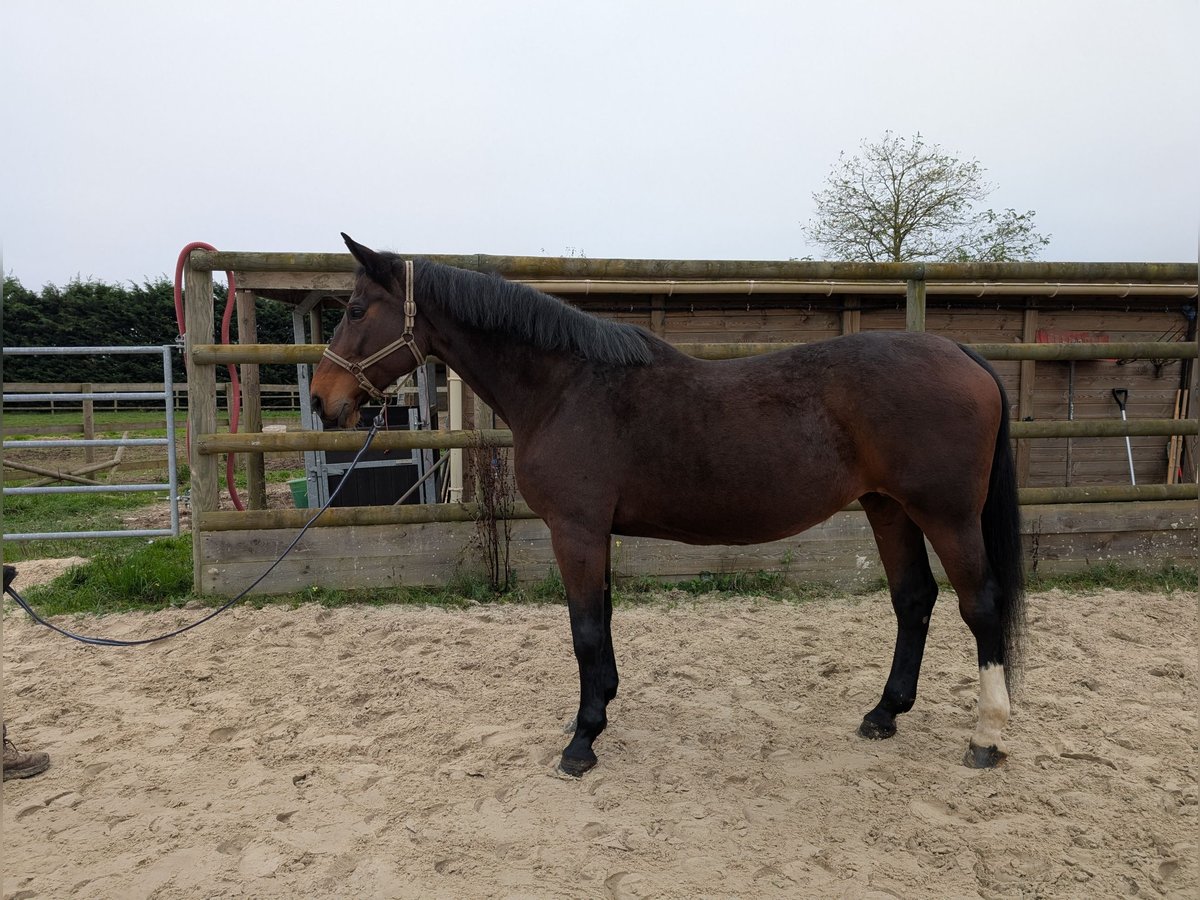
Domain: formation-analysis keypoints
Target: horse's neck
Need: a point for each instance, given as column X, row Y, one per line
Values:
column 515, row 380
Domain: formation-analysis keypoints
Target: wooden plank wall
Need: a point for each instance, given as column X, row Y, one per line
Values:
column 841, row 551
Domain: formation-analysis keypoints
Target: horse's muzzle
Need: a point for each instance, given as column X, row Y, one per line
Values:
column 345, row 416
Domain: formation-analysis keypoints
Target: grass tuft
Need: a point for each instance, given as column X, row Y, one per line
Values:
column 1166, row 580
column 154, row 575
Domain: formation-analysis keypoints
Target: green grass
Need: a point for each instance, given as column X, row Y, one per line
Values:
column 152, row 575
column 151, row 418
column 70, row 512
column 1166, row 580
column 643, row 590
column 32, row 420
column 145, row 423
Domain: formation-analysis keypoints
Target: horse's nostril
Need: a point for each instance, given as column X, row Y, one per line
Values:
column 316, row 405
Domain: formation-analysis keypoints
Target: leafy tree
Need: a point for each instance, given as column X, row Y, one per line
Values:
column 901, row 199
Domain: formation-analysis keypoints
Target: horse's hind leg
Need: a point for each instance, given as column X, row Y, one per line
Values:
column 914, row 590
column 582, row 560
column 964, row 557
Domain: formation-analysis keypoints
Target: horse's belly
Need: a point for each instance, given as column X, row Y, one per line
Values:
column 743, row 523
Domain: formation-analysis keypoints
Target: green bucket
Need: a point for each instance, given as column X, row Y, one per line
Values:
column 299, row 488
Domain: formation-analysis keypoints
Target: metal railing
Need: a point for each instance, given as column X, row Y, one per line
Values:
column 166, row 395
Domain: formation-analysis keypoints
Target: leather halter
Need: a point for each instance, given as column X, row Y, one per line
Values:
column 406, row 339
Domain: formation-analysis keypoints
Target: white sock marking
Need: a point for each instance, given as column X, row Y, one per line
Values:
column 993, row 708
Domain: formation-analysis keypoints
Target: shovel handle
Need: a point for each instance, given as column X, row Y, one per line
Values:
column 1121, row 395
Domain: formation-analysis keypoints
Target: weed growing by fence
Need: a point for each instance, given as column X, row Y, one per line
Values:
column 495, row 492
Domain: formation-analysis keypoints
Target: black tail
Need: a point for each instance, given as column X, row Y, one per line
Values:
column 1002, row 538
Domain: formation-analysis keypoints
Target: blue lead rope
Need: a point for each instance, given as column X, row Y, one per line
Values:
column 114, row 642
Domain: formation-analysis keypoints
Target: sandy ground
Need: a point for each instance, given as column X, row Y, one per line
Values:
column 406, row 752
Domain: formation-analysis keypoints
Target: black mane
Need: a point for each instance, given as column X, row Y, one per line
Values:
column 491, row 303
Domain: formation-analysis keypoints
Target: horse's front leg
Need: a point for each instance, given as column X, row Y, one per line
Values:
column 582, row 556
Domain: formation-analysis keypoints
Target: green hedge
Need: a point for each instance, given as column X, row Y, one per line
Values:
column 88, row 313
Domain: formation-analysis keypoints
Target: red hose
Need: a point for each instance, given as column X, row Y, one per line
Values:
column 235, row 405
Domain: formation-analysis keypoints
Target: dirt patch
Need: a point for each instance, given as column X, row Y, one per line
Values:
column 407, row 752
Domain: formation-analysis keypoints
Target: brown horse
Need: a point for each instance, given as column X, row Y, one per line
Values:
column 616, row 432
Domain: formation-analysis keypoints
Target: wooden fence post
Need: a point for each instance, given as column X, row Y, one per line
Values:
column 914, row 306
column 1025, row 394
column 256, row 483
column 658, row 315
column 202, row 406
column 852, row 316
column 89, row 424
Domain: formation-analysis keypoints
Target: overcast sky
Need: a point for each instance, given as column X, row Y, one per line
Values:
column 625, row 129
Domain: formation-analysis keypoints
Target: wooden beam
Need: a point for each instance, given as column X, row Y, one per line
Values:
column 1104, row 428
column 576, row 267
column 658, row 315
column 852, row 316
column 52, row 474
column 340, row 516
column 1107, row 493
column 202, row 401
column 311, row 353
column 1025, row 394
column 251, row 420
column 89, row 422
column 349, row 441
column 914, row 305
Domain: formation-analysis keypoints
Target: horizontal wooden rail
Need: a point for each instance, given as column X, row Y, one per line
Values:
column 221, row 354
column 1108, row 493
column 258, row 520
column 576, row 267
column 351, row 441
column 1115, row 350
column 1103, row 428
column 415, row 514
column 252, row 354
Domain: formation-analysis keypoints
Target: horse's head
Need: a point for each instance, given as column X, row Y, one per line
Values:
column 379, row 340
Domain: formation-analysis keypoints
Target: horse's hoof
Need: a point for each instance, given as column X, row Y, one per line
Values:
column 574, row 767
column 983, row 757
column 570, row 727
column 874, row 731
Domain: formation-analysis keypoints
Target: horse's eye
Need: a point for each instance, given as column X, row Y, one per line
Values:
column 357, row 312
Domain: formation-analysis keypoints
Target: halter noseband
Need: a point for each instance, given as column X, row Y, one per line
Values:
column 405, row 340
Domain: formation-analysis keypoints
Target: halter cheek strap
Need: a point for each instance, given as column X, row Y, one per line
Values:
column 406, row 339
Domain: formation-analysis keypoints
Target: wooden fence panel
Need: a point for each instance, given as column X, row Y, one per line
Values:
column 1061, row 538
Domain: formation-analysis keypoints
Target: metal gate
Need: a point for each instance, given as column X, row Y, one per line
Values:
column 167, row 395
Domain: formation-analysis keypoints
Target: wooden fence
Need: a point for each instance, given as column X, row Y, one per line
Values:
column 358, row 546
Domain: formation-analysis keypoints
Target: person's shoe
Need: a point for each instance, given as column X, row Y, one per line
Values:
column 23, row 765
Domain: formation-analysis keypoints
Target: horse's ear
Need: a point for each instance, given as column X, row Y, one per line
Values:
column 376, row 266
